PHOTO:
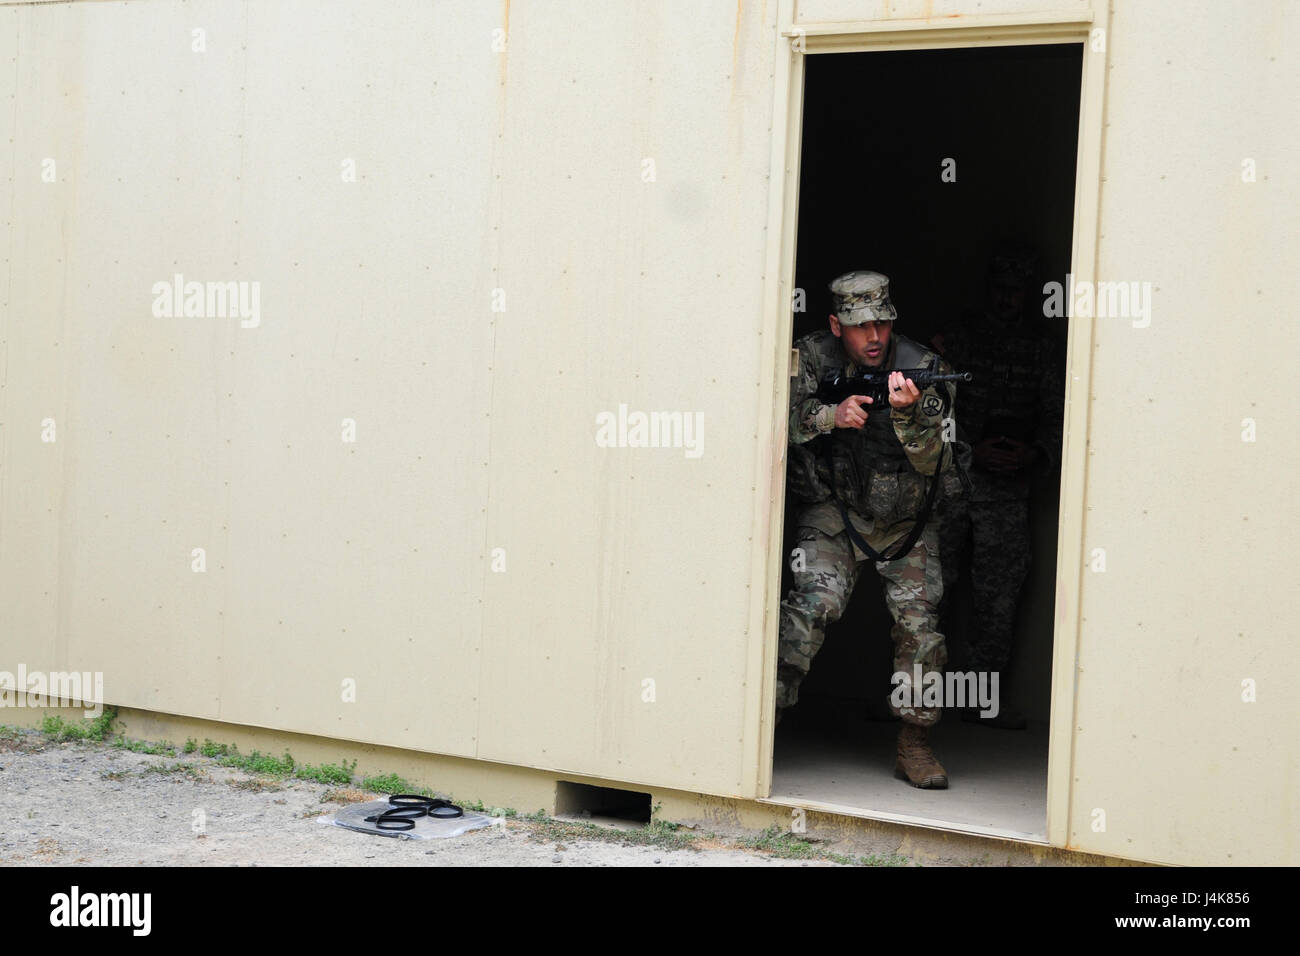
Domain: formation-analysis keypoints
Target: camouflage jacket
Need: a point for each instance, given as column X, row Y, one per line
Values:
column 885, row 490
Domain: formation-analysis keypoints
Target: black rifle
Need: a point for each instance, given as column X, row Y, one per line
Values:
column 837, row 386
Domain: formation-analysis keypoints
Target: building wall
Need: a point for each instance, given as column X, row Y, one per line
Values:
column 841, row 11
column 1198, row 526
column 525, row 170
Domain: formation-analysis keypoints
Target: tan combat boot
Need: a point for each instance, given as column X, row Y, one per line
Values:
column 916, row 761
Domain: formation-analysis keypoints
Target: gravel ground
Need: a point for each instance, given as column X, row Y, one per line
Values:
column 86, row 803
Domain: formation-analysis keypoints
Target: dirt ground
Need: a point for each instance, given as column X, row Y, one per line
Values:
column 88, row 803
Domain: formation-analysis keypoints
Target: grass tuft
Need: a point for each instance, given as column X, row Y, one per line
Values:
column 63, row 730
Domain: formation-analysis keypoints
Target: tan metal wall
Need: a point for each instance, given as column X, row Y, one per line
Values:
column 522, row 170
column 1200, row 528
column 935, row 11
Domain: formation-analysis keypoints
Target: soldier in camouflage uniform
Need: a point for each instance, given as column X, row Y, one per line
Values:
column 1011, row 415
column 874, row 461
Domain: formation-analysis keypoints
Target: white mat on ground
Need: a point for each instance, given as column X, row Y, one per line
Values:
column 353, row 817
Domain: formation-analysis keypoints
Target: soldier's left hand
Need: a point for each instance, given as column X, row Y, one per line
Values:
column 1015, row 455
column 1026, row 455
column 902, row 391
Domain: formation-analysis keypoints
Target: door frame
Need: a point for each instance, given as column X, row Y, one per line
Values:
column 797, row 39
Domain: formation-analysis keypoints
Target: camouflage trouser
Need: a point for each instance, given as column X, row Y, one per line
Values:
column 994, row 535
column 824, row 580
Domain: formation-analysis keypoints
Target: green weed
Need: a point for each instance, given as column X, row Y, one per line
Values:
column 62, row 730
column 340, row 773
column 144, row 747
column 392, row 783
column 782, row 843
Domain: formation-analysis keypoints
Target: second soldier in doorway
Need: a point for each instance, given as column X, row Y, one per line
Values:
column 1011, row 416
column 870, row 464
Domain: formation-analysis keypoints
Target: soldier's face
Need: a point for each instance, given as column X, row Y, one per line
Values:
column 866, row 344
column 1008, row 301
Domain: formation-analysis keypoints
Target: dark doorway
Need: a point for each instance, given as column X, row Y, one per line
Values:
column 878, row 129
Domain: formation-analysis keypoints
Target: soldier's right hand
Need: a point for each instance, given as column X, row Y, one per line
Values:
column 851, row 413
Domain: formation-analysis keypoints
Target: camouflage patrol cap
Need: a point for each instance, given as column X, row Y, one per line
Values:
column 861, row 296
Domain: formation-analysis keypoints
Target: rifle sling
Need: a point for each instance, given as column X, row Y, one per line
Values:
column 918, row 528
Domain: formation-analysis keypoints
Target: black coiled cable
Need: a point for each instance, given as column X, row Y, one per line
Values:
column 405, row 808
